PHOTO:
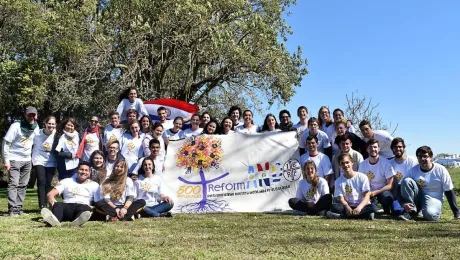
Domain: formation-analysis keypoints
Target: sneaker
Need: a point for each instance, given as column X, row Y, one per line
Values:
column 132, row 218
column 138, row 216
column 322, row 213
column 166, row 215
column 82, row 219
column 331, row 214
column 371, row 216
column 50, row 218
column 13, row 213
column 405, row 216
column 22, row 213
column 298, row 213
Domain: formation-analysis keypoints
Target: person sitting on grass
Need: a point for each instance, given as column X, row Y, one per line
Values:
column 312, row 196
column 424, row 186
column 148, row 188
column 78, row 192
column 352, row 192
column 118, row 195
column 380, row 173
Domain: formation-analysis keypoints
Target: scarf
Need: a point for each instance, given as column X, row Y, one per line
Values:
column 27, row 128
column 83, row 139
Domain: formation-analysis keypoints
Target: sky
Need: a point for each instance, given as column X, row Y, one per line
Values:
column 403, row 54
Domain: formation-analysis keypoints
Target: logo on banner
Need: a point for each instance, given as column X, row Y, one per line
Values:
column 201, row 154
column 292, row 170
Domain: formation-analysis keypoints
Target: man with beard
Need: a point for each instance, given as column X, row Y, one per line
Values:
column 424, row 186
column 380, row 173
column 401, row 164
column 285, row 121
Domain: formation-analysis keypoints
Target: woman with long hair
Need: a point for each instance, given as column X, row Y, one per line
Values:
column 43, row 159
column 205, row 119
column 91, row 140
column 149, row 190
column 98, row 171
column 312, row 196
column 66, row 148
column 129, row 100
column 270, row 124
column 118, row 193
column 146, row 124
column 131, row 145
column 226, row 126
column 325, row 122
column 211, row 128
column 248, row 126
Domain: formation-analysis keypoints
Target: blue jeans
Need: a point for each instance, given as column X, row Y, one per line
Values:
column 411, row 193
column 155, row 211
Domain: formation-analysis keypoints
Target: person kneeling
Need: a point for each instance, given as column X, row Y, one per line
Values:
column 312, row 196
column 352, row 191
column 78, row 192
column 118, row 195
column 423, row 188
column 149, row 189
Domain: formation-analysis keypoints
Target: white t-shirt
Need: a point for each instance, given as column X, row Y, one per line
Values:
column 145, row 146
column 149, row 189
column 329, row 130
column 91, row 145
column 112, row 134
column 322, row 162
column 168, row 124
column 433, row 183
column 352, row 189
column 21, row 144
column 130, row 190
column 189, row 132
column 323, row 141
column 384, row 138
column 41, row 152
column 169, row 135
column 305, row 190
column 74, row 192
column 252, row 130
column 131, row 149
column 401, row 169
column 125, row 105
column 300, row 129
column 69, row 145
column 377, row 173
column 109, row 166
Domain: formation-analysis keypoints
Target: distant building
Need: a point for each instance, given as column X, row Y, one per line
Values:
column 449, row 162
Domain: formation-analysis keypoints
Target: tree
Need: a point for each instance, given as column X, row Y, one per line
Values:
column 359, row 108
column 73, row 58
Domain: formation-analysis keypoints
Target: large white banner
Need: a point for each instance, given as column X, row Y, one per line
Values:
column 232, row 173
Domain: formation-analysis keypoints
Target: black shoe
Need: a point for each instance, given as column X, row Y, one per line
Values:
column 166, row 215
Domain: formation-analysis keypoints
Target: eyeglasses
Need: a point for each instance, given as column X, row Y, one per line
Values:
column 425, row 156
column 94, row 121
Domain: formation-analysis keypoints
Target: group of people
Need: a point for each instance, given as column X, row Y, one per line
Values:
column 116, row 172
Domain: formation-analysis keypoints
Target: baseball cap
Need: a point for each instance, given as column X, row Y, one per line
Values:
column 31, row 110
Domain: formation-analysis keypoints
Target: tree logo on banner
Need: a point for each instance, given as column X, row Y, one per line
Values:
column 201, row 154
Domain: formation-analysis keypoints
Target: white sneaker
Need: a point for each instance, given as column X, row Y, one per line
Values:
column 49, row 217
column 82, row 219
column 331, row 214
column 405, row 216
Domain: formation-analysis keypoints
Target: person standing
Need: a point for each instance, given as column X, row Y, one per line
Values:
column 285, row 121
column 17, row 151
column 43, row 159
column 248, row 126
column 90, row 141
column 346, row 147
column 66, row 148
column 114, row 130
column 302, row 125
column 323, row 141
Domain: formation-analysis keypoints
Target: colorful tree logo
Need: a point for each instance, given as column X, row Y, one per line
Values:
column 199, row 154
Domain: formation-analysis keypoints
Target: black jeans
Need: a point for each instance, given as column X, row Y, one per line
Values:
column 324, row 203
column 44, row 177
column 69, row 211
column 386, row 199
column 135, row 206
column 365, row 212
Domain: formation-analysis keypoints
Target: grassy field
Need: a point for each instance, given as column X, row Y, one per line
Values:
column 229, row 236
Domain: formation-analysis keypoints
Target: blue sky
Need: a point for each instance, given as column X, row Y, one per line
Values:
column 403, row 54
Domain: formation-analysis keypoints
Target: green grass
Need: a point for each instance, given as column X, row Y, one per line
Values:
column 230, row 236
